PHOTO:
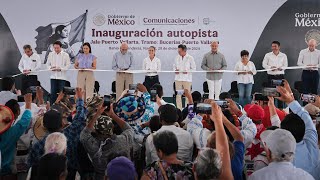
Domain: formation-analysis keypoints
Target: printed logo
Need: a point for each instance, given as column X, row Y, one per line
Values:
column 99, row 19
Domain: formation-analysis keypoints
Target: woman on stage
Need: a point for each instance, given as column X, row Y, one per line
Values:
column 85, row 62
column 153, row 64
column 245, row 79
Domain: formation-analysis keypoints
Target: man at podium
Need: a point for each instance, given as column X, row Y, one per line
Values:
column 122, row 61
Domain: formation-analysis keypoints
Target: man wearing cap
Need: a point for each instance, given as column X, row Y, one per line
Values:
column 168, row 117
column 103, row 144
column 52, row 122
column 300, row 124
column 280, row 146
column 9, row 135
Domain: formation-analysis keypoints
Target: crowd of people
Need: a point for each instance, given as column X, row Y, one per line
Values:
column 138, row 135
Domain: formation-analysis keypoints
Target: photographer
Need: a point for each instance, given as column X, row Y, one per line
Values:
column 100, row 142
column 52, row 122
column 300, row 124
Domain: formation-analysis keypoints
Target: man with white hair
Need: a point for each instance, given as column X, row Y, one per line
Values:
column 310, row 57
column 122, row 61
column 214, row 60
column 280, row 146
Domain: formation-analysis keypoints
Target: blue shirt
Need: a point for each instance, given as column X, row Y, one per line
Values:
column 85, row 60
column 72, row 134
column 237, row 160
column 8, row 141
column 306, row 155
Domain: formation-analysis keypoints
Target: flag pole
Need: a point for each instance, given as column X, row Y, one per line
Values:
column 85, row 25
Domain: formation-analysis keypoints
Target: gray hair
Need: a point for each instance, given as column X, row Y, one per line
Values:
column 208, row 164
column 56, row 143
column 287, row 157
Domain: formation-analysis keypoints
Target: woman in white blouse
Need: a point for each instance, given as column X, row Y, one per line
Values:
column 153, row 65
column 245, row 77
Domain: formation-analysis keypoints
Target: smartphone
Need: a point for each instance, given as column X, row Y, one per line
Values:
column 260, row 97
column 153, row 94
column 180, row 92
column 33, row 89
column 270, row 92
column 69, row 90
column 277, row 82
column 132, row 88
column 309, row 98
column 202, row 108
column 222, row 104
column 107, row 101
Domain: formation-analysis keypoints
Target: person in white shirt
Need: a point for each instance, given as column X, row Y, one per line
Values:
column 276, row 61
column 183, row 78
column 8, row 87
column 153, row 64
column 29, row 63
column 310, row 75
column 168, row 117
column 245, row 77
column 280, row 146
column 58, row 62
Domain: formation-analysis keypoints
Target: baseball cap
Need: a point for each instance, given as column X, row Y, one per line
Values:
column 280, row 142
column 254, row 111
column 104, row 125
column 121, row 168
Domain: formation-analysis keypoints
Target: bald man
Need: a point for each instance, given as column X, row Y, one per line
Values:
column 122, row 61
column 310, row 57
column 214, row 60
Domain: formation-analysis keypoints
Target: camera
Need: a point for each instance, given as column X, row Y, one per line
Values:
column 69, row 90
column 309, row 98
column 107, row 101
column 203, row 108
column 272, row 92
column 153, row 94
column 132, row 88
column 180, row 92
column 277, row 82
column 260, row 97
column 222, row 104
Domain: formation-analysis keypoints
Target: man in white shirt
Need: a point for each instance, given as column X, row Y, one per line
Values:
column 276, row 61
column 310, row 76
column 153, row 64
column 58, row 62
column 183, row 78
column 168, row 116
column 280, row 146
column 8, row 87
column 29, row 63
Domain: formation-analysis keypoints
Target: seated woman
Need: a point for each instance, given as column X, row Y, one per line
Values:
column 168, row 167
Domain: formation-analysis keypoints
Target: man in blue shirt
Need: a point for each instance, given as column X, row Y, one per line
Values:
column 300, row 124
column 9, row 138
column 122, row 61
column 53, row 123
